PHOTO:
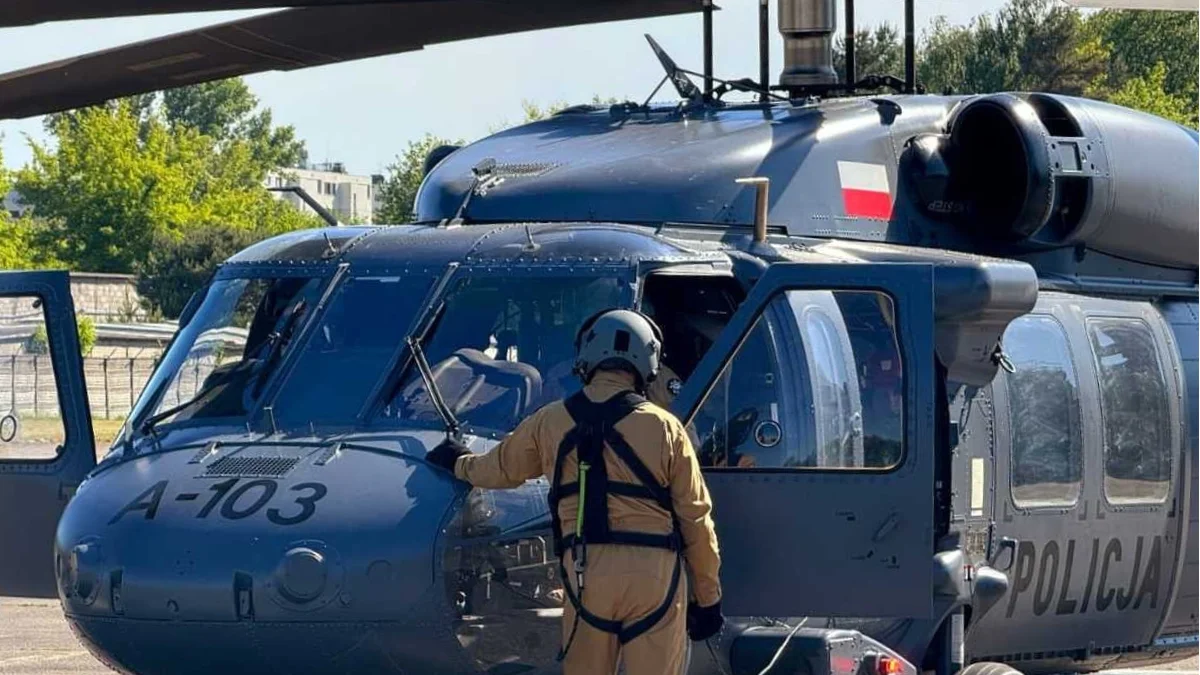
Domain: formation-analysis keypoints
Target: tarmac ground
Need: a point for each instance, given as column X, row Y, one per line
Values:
column 34, row 639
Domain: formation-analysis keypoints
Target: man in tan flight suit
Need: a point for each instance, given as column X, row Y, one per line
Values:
column 645, row 512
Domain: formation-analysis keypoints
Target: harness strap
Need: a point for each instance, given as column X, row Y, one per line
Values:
column 594, row 429
column 625, row 634
column 622, row 450
column 614, row 488
column 669, row 542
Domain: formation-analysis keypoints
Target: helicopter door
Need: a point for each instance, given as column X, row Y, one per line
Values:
column 46, row 444
column 812, row 415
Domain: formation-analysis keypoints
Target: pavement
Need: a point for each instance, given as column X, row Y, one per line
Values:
column 35, row 640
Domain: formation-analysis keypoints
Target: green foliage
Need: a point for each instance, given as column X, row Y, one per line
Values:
column 119, row 178
column 178, row 266
column 404, row 176
column 19, row 248
column 85, row 329
column 1140, row 59
column 226, row 111
column 876, row 52
column 1152, row 61
column 1140, row 41
column 1030, row 45
column 1149, row 93
column 39, row 342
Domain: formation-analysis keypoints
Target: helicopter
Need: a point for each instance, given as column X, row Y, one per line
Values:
column 938, row 355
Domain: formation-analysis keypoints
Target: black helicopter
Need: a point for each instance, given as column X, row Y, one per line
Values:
column 938, row 354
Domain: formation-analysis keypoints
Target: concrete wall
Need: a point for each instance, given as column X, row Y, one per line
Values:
column 107, row 298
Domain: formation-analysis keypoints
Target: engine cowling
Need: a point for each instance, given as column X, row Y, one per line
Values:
column 1048, row 171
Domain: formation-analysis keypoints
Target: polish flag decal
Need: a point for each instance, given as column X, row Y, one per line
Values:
column 865, row 190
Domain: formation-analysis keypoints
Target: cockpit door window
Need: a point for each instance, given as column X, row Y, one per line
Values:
column 813, row 413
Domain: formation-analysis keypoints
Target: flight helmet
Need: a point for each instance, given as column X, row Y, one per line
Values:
column 621, row 335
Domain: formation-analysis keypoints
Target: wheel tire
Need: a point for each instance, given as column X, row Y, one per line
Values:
column 989, row 668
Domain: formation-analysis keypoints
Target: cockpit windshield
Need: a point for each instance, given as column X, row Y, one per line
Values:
column 501, row 347
column 219, row 363
column 346, row 356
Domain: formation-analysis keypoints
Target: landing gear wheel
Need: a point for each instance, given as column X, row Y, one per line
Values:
column 989, row 668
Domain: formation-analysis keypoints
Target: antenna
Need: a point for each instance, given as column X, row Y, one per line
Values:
column 910, row 49
column 308, row 199
column 850, row 65
column 708, row 49
column 764, row 50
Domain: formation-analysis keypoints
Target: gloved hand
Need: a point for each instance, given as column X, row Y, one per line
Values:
column 446, row 454
column 704, row 622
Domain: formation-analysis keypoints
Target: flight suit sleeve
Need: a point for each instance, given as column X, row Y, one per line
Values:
column 508, row 465
column 693, row 507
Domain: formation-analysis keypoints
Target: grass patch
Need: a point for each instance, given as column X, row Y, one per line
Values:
column 50, row 430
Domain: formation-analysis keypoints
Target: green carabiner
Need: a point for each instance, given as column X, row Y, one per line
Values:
column 583, row 469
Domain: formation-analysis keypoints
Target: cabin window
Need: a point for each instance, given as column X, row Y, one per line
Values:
column 1043, row 403
column 816, row 384
column 691, row 311
column 1135, row 405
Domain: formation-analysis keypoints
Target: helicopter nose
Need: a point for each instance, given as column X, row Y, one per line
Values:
column 222, row 558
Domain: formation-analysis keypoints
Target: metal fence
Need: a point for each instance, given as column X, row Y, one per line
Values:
column 27, row 385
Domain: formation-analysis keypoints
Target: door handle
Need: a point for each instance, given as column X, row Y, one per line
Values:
column 886, row 528
column 1006, row 544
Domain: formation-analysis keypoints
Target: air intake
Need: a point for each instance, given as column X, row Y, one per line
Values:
column 807, row 27
column 259, row 467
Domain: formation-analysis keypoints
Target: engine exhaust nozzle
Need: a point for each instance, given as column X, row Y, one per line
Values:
column 807, row 27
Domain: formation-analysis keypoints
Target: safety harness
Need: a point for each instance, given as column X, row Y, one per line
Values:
column 595, row 427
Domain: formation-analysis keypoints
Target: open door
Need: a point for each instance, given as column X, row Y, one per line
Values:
column 813, row 415
column 46, row 443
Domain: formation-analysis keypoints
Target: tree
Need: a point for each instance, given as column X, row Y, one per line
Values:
column 175, row 268
column 1149, row 94
column 942, row 66
column 1140, row 45
column 117, row 181
column 18, row 250
column 226, row 111
column 1030, row 45
column 876, row 52
column 404, row 176
column 1036, row 45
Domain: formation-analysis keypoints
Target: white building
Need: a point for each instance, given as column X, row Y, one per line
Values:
column 349, row 197
column 13, row 205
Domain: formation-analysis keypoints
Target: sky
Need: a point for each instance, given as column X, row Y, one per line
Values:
column 363, row 113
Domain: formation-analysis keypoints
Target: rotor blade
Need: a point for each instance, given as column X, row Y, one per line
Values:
column 1175, row 5
column 293, row 39
column 29, row 13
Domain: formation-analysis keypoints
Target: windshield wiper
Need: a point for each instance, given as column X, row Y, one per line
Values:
column 421, row 325
column 277, row 341
column 453, row 429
